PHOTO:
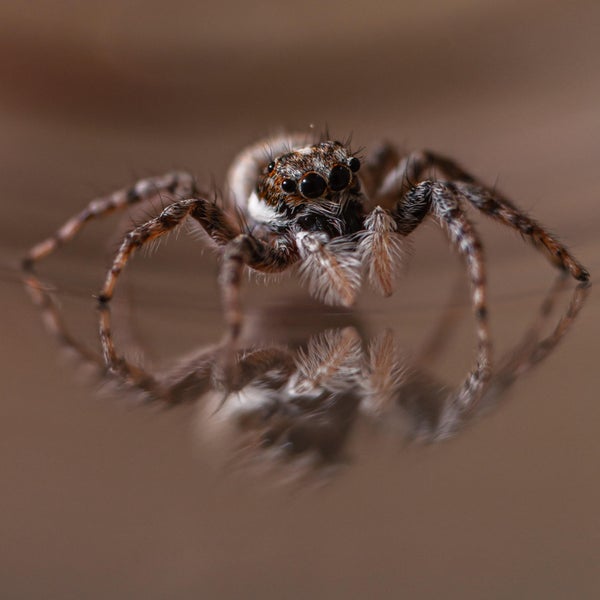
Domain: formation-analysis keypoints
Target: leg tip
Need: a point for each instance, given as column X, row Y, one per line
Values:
column 27, row 264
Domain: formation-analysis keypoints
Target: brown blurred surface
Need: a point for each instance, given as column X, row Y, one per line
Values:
column 101, row 501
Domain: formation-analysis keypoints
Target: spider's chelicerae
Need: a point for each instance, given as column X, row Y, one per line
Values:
column 316, row 205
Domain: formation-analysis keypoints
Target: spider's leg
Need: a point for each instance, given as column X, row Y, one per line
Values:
column 54, row 324
column 176, row 184
column 445, row 205
column 331, row 267
column 533, row 350
column 381, row 243
column 411, row 169
column 442, row 200
column 247, row 250
column 128, row 374
column 500, row 209
column 212, row 219
column 377, row 166
column 125, row 372
column 331, row 361
column 381, row 249
column 384, row 372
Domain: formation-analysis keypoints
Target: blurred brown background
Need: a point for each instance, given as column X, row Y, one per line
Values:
column 99, row 501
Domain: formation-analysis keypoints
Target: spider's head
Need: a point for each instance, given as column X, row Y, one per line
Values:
column 319, row 175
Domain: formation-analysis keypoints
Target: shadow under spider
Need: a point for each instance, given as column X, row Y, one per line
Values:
column 289, row 401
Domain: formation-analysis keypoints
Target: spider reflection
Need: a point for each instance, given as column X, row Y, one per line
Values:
column 282, row 402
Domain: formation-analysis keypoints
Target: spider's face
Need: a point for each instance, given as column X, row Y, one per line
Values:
column 311, row 176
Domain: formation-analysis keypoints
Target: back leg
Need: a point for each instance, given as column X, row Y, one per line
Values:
column 411, row 170
column 176, row 184
column 377, row 166
column 500, row 209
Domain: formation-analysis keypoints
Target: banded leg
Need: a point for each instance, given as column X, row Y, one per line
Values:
column 412, row 168
column 533, row 350
column 442, row 200
column 246, row 250
column 503, row 211
column 522, row 358
column 54, row 324
column 212, row 219
column 377, row 167
column 445, row 205
column 177, row 184
column 128, row 374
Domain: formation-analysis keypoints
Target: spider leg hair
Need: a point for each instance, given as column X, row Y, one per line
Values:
column 247, row 250
column 381, row 249
column 500, row 209
column 330, row 267
column 443, row 201
column 411, row 169
column 176, row 184
column 212, row 219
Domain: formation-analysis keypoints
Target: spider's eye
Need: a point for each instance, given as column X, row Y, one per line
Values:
column 270, row 166
column 312, row 185
column 339, row 178
column 354, row 164
column 288, row 186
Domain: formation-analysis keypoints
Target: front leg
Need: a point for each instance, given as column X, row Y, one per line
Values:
column 211, row 218
column 443, row 201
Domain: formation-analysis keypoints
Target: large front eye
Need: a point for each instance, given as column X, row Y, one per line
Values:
column 339, row 178
column 312, row 185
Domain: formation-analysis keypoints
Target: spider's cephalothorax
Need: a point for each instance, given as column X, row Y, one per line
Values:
column 305, row 203
column 315, row 188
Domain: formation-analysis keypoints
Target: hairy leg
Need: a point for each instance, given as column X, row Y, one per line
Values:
column 411, row 170
column 503, row 211
column 377, row 166
column 443, row 202
column 212, row 219
column 247, row 250
column 177, row 184
column 330, row 266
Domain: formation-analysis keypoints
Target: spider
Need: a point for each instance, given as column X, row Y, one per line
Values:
column 292, row 201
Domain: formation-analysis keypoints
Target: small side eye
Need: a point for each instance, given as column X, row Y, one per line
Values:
column 288, row 186
column 270, row 166
column 354, row 164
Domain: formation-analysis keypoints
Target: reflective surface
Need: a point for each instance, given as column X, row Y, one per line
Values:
column 377, row 477
column 299, row 402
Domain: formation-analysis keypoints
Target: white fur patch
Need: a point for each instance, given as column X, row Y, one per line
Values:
column 260, row 211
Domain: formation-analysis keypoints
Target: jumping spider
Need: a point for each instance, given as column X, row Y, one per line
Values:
column 306, row 203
